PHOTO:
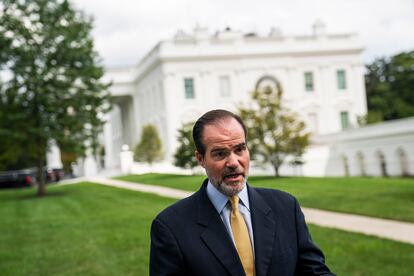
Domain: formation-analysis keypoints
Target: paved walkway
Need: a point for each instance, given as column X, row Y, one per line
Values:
column 384, row 228
column 389, row 229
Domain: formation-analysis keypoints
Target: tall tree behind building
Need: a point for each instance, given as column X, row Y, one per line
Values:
column 50, row 80
column 390, row 88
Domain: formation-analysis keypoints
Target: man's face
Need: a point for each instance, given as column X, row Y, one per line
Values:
column 227, row 158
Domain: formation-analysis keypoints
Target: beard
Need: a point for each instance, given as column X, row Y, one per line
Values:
column 229, row 188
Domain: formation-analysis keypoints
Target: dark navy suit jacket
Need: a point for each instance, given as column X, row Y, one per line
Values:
column 189, row 238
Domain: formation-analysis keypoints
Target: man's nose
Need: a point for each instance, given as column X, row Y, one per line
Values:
column 232, row 161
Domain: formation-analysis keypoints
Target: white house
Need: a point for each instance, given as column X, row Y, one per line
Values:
column 322, row 76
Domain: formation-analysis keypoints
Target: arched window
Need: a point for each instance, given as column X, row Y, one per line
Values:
column 361, row 163
column 268, row 80
column 345, row 165
column 382, row 163
column 403, row 161
column 267, row 84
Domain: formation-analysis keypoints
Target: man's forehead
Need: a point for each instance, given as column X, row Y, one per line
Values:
column 225, row 125
column 226, row 146
column 226, row 131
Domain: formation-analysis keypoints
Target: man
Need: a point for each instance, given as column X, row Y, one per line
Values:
column 228, row 227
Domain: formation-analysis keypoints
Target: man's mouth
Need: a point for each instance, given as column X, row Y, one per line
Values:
column 233, row 176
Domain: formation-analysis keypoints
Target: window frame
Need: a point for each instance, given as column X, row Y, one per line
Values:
column 309, row 82
column 341, row 79
column 189, row 94
column 344, row 119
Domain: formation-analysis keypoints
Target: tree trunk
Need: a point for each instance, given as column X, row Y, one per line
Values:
column 276, row 168
column 41, row 185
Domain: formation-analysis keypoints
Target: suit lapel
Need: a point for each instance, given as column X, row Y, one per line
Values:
column 264, row 228
column 215, row 234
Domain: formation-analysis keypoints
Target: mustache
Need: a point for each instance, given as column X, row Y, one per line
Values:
column 230, row 171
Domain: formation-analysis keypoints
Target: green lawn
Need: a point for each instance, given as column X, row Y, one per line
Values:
column 391, row 198
column 355, row 254
column 77, row 229
column 97, row 230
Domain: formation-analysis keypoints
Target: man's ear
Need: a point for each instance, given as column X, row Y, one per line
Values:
column 200, row 158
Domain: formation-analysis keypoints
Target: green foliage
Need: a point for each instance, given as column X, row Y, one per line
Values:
column 389, row 86
column 149, row 148
column 184, row 156
column 274, row 132
column 68, row 158
column 14, row 156
column 50, row 87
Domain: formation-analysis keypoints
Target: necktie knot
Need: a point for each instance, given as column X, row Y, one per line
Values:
column 234, row 200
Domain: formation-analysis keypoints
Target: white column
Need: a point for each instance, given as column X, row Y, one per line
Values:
column 127, row 159
column 53, row 158
column 90, row 168
column 172, row 106
column 108, row 143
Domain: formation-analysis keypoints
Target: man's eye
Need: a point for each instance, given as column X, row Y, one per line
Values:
column 240, row 150
column 219, row 154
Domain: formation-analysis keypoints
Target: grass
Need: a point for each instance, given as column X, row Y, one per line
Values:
column 89, row 229
column 391, row 198
column 355, row 254
column 77, row 229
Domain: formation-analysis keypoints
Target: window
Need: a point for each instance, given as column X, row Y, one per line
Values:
column 344, row 119
column 341, row 79
column 189, row 88
column 224, row 86
column 308, row 81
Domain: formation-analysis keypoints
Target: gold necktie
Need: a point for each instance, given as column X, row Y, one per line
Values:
column 241, row 237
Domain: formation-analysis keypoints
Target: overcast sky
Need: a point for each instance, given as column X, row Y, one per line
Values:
column 125, row 30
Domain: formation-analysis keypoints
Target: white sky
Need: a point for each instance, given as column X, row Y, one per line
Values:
column 125, row 30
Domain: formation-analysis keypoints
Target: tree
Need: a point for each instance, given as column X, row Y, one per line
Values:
column 274, row 132
column 50, row 87
column 184, row 156
column 389, row 85
column 149, row 148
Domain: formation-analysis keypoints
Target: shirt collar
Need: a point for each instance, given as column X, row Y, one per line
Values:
column 244, row 197
column 220, row 200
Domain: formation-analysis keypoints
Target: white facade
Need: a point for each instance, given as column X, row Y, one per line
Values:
column 385, row 149
column 222, row 69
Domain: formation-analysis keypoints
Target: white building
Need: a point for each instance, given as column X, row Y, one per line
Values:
column 385, row 149
column 322, row 76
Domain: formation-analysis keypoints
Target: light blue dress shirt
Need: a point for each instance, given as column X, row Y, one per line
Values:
column 223, row 206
